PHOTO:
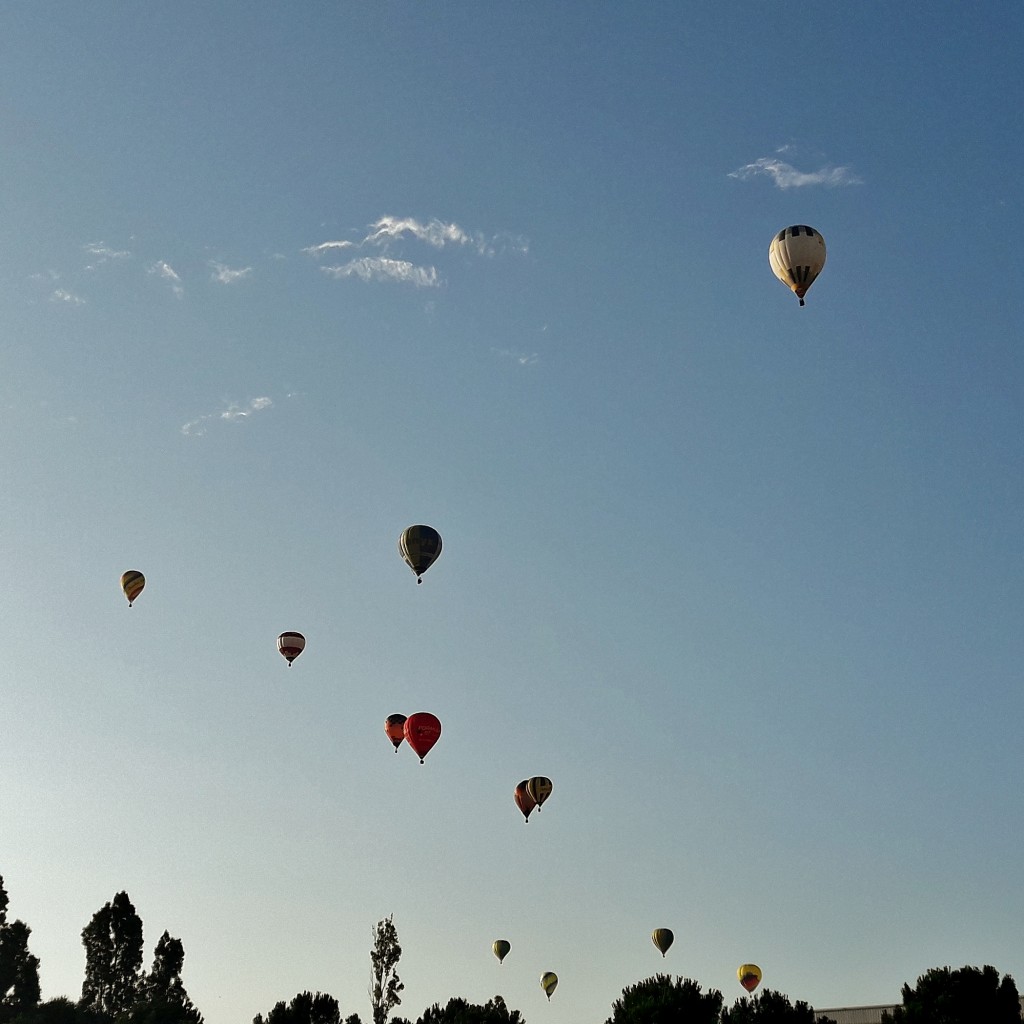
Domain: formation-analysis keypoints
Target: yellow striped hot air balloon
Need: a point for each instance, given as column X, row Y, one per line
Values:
column 539, row 788
column 662, row 938
column 548, row 982
column 501, row 949
column 132, row 583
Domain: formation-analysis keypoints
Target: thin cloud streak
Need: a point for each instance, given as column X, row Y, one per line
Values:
column 63, row 295
column 234, row 413
column 378, row 268
column 787, row 176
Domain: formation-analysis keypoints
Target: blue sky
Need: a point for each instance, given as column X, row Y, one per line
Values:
column 743, row 579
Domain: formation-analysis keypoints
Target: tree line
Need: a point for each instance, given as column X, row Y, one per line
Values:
column 117, row 990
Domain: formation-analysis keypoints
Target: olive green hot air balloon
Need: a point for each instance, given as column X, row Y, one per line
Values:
column 501, row 949
column 419, row 546
column 132, row 583
column 662, row 938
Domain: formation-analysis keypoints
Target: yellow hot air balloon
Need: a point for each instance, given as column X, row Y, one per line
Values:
column 749, row 975
column 548, row 982
column 501, row 949
column 419, row 546
column 662, row 938
column 796, row 257
column 291, row 645
column 132, row 583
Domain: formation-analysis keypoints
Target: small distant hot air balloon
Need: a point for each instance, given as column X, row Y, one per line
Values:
column 796, row 257
column 549, row 982
column 750, row 976
column 291, row 645
column 662, row 938
column 422, row 731
column 419, row 546
column 501, row 948
column 132, row 583
column 394, row 726
column 523, row 800
column 539, row 789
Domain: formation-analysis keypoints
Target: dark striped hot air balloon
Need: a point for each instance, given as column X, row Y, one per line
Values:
column 501, row 948
column 291, row 645
column 539, row 789
column 419, row 546
column 132, row 583
column 394, row 726
column 548, row 982
column 662, row 938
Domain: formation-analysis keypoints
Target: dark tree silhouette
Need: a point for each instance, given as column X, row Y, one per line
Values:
column 969, row 995
column 113, row 957
column 458, row 1011
column 306, row 1008
column 664, row 1000
column 769, row 1007
column 19, row 969
column 384, row 982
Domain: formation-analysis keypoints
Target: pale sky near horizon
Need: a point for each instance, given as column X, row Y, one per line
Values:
column 744, row 580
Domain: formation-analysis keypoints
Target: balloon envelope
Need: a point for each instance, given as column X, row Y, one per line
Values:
column 419, row 546
column 501, row 948
column 539, row 789
column 796, row 257
column 132, row 583
column 291, row 645
column 422, row 731
column 750, row 976
column 548, row 982
column 524, row 801
column 394, row 726
column 662, row 938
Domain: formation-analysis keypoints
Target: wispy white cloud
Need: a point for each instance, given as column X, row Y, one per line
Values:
column 379, row 268
column 234, row 413
column 167, row 273
column 223, row 274
column 63, row 295
column 102, row 253
column 389, row 230
column 787, row 176
column 520, row 358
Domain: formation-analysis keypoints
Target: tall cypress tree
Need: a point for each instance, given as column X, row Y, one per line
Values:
column 113, row 957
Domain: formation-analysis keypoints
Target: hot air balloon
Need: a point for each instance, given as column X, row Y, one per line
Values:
column 132, row 583
column 539, row 789
column 394, row 726
column 419, row 546
column 796, row 257
column 523, row 800
column 750, row 976
column 291, row 645
column 548, row 982
column 422, row 731
column 662, row 938
column 501, row 948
